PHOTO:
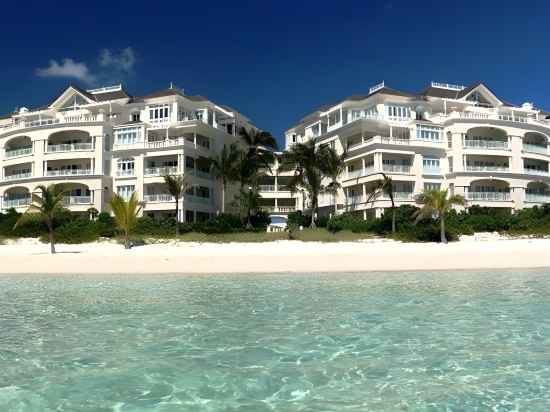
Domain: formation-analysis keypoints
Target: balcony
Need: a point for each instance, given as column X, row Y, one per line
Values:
column 17, row 176
column 161, row 171
column 198, row 199
column 537, row 172
column 487, row 168
column 25, row 151
column 403, row 169
column 20, row 202
column 278, row 209
column 198, row 173
column 488, row 196
column 431, row 170
column 533, row 148
column 72, row 147
column 266, row 188
column 77, row 200
column 69, row 172
column 125, row 172
column 537, row 198
column 159, row 198
column 486, row 144
column 79, row 118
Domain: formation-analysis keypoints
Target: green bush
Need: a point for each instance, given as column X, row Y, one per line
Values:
column 348, row 221
column 147, row 226
column 78, row 230
column 225, row 223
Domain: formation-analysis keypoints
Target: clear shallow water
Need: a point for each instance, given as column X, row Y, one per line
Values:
column 385, row 342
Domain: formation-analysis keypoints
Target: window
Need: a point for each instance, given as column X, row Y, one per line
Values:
column 431, row 133
column 189, row 216
column 432, row 186
column 398, row 112
column 159, row 113
column 135, row 117
column 128, row 135
column 449, row 140
column 125, row 191
column 334, row 117
column 430, row 163
column 125, row 167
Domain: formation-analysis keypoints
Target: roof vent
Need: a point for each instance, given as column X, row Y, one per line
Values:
column 23, row 110
column 376, row 87
column 106, row 89
column 448, row 86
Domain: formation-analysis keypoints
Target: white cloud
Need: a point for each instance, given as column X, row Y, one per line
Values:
column 67, row 68
column 111, row 66
column 123, row 62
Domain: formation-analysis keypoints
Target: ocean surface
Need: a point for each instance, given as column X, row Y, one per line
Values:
column 417, row 341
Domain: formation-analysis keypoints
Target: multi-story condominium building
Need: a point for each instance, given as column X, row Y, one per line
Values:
column 464, row 139
column 101, row 141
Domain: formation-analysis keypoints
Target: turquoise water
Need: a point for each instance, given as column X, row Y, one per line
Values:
column 384, row 342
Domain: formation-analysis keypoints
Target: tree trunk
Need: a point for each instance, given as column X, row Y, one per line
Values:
column 313, row 212
column 223, row 198
column 52, row 242
column 335, row 205
column 177, row 218
column 249, row 220
column 443, row 237
column 126, row 240
column 393, row 219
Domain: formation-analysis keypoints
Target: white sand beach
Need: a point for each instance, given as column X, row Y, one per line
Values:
column 27, row 256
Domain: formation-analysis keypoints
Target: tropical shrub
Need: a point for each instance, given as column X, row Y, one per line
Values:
column 76, row 231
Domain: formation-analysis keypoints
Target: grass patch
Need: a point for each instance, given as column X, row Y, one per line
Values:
column 323, row 235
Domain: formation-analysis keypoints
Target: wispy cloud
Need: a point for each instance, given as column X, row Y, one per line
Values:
column 110, row 66
column 67, row 68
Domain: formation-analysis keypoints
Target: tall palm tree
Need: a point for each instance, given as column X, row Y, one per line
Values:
column 223, row 167
column 436, row 203
column 307, row 162
column 47, row 206
column 260, row 146
column 177, row 185
column 126, row 214
column 250, row 200
column 334, row 166
column 385, row 186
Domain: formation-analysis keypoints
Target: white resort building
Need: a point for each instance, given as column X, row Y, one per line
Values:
column 101, row 141
column 464, row 139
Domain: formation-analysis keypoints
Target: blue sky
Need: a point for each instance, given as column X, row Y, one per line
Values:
column 275, row 61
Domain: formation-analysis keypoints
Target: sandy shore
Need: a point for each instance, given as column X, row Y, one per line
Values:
column 31, row 257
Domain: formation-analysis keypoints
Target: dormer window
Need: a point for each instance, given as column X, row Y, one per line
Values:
column 160, row 113
column 477, row 98
column 135, row 117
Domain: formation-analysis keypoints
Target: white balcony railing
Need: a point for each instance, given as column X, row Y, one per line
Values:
column 537, row 198
column 533, row 148
column 159, row 198
column 488, row 196
column 198, row 199
column 25, row 151
column 69, row 147
column 406, row 169
column 360, row 172
column 486, row 144
column 67, row 118
column 266, row 188
column 487, row 168
column 537, row 172
column 125, row 172
column 161, row 171
column 17, row 176
column 431, row 170
column 20, row 202
column 69, row 172
column 77, row 200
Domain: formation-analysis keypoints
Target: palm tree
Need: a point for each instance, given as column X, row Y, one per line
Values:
column 385, row 186
column 249, row 200
column 260, row 146
column 436, row 203
column 126, row 213
column 223, row 167
column 307, row 162
column 48, row 205
column 333, row 165
column 177, row 185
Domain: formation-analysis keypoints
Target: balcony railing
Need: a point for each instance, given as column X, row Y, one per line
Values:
column 266, row 188
column 17, row 176
column 159, row 198
column 533, row 148
column 77, row 200
column 69, row 172
column 125, row 172
column 486, row 144
column 198, row 173
column 69, row 147
column 431, row 170
column 25, row 151
column 399, row 195
column 487, row 168
column 537, row 172
column 80, row 118
column 278, row 209
column 537, row 198
column 488, row 196
column 161, row 171
column 20, row 202
column 396, row 168
column 198, row 199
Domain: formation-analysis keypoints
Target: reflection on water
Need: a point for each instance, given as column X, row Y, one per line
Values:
column 399, row 341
